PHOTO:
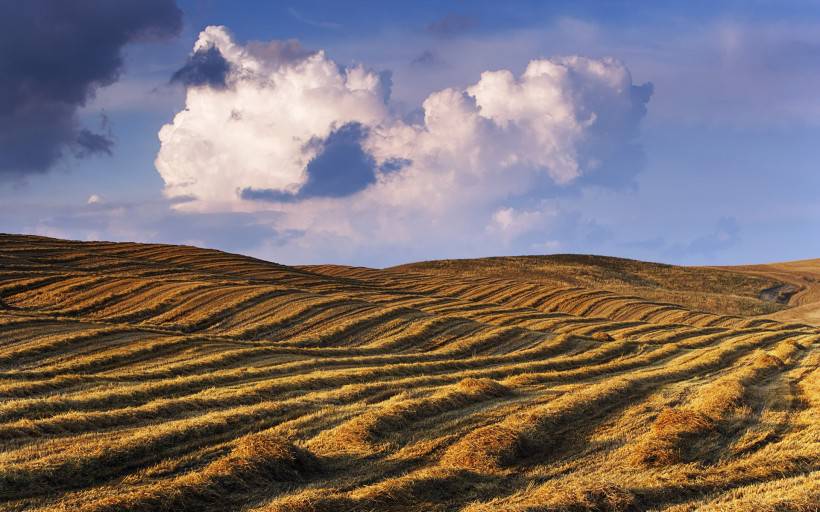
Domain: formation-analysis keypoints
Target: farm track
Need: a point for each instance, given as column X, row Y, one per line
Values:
column 153, row 377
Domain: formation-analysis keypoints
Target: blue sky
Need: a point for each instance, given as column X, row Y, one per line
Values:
column 720, row 167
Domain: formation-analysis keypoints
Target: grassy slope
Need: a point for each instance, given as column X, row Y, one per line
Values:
column 719, row 291
column 803, row 276
column 147, row 377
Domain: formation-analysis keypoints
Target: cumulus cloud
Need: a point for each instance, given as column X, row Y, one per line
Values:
column 509, row 223
column 317, row 142
column 53, row 57
column 206, row 66
column 342, row 149
column 260, row 131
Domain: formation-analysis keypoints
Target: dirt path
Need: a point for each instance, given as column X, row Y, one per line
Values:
column 800, row 288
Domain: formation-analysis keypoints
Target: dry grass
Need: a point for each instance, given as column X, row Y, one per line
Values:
column 166, row 378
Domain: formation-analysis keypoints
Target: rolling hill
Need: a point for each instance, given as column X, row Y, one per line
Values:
column 170, row 378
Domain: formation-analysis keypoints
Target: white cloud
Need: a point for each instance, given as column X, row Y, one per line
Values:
column 256, row 132
column 509, row 223
column 465, row 170
column 94, row 199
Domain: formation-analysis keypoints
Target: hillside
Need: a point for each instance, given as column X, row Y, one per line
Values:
column 170, row 378
column 713, row 290
column 802, row 280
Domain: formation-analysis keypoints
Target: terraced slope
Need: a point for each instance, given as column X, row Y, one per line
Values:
column 158, row 378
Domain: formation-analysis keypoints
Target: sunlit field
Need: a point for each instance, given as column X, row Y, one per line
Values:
column 170, row 378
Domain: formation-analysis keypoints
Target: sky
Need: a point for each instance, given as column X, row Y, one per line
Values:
column 379, row 133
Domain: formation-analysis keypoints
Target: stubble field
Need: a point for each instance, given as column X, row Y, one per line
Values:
column 170, row 378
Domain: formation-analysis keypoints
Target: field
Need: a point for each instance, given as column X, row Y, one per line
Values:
column 170, row 378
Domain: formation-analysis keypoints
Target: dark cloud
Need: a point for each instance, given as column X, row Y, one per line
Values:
column 341, row 168
column 54, row 54
column 386, row 79
column 32, row 137
column 414, row 117
column 426, row 59
column 641, row 94
column 204, row 67
column 394, row 164
column 452, row 25
column 89, row 143
column 266, row 194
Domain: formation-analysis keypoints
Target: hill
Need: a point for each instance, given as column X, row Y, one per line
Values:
column 713, row 290
column 801, row 279
column 157, row 378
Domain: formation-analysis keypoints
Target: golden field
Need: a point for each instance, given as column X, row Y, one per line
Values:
column 170, row 378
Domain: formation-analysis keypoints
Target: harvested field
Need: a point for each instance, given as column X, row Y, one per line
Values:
column 171, row 378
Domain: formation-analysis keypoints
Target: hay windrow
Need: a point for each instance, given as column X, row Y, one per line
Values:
column 168, row 378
